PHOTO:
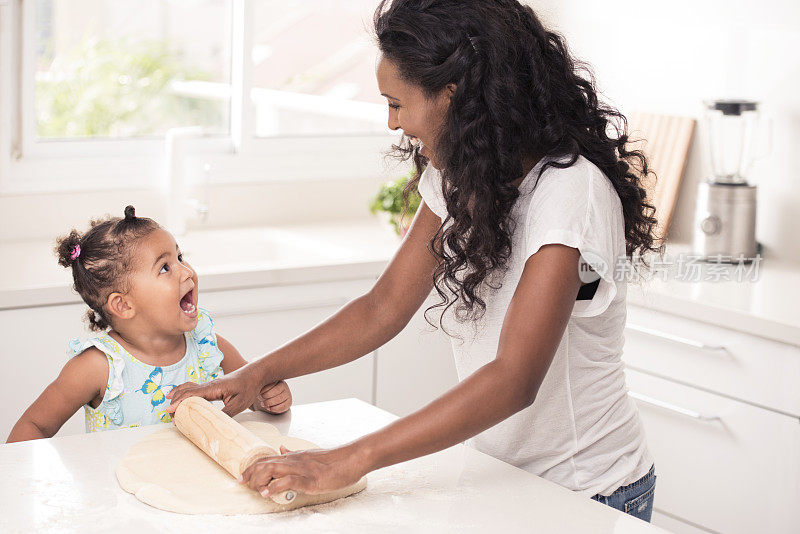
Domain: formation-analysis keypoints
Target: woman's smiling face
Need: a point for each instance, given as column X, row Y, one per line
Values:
column 410, row 110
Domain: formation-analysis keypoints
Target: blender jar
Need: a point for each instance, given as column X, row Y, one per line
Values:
column 732, row 126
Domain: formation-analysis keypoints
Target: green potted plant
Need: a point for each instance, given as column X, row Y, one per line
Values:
column 389, row 200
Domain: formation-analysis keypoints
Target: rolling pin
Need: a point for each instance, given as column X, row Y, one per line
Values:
column 223, row 439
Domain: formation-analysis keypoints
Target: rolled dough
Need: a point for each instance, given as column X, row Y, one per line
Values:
column 167, row 471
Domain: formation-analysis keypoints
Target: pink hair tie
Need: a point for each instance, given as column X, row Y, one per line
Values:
column 76, row 251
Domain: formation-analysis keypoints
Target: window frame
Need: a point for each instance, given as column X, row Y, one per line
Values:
column 28, row 166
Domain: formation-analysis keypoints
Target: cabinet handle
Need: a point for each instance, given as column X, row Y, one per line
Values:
column 677, row 339
column 340, row 301
column 672, row 407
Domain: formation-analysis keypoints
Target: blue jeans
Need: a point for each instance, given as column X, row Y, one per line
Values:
column 636, row 498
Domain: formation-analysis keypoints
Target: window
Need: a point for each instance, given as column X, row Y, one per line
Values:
column 89, row 89
column 121, row 69
column 302, row 88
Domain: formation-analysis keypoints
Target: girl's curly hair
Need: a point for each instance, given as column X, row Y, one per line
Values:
column 519, row 95
column 101, row 258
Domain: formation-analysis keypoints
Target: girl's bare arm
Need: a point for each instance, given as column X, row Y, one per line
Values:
column 82, row 381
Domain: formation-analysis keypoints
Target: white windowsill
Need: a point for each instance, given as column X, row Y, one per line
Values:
column 76, row 169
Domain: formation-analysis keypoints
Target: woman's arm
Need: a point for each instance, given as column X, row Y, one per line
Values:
column 532, row 329
column 360, row 327
column 369, row 321
column 82, row 381
column 274, row 398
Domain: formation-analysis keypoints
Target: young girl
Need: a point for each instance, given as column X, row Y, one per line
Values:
column 142, row 296
column 531, row 197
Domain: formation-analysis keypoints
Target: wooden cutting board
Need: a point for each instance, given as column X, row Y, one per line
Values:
column 665, row 140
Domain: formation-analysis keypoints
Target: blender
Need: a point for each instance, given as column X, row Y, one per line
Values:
column 725, row 213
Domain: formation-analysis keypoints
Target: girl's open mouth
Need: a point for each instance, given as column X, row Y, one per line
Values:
column 188, row 305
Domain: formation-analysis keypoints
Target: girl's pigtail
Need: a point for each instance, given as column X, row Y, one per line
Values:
column 68, row 249
column 97, row 322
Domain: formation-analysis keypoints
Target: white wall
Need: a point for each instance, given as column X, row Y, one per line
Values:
column 669, row 56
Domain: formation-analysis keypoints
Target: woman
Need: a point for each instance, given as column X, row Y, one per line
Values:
column 528, row 204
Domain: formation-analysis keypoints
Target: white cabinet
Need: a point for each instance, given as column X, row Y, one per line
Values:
column 722, row 464
column 33, row 353
column 402, row 376
column 415, row 367
column 725, row 361
column 726, row 449
column 255, row 320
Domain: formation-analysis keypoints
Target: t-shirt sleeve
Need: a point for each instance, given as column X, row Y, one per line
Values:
column 579, row 207
column 430, row 189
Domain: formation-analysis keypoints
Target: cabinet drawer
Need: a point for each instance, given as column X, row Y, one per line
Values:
column 721, row 464
column 746, row 367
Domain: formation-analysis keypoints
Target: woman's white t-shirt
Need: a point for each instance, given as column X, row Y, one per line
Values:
column 582, row 431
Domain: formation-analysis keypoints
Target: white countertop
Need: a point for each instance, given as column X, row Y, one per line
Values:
column 224, row 259
column 764, row 303
column 760, row 298
column 68, row 485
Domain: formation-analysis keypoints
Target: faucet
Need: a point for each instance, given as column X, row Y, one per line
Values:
column 179, row 206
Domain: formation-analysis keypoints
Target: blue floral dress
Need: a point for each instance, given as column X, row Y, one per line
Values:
column 136, row 392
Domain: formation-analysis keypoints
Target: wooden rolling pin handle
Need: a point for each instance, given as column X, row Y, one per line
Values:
column 284, row 498
column 252, row 456
column 223, row 439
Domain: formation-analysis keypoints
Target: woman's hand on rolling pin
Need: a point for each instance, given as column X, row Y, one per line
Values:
column 274, row 398
column 237, row 390
column 311, row 472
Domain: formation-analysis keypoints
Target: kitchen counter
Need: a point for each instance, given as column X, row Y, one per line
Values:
column 760, row 298
column 224, row 259
column 763, row 302
column 68, row 484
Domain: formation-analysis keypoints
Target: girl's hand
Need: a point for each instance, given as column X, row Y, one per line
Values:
column 311, row 472
column 237, row 390
column 274, row 398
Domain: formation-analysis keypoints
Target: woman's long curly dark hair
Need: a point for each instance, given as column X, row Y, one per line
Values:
column 519, row 94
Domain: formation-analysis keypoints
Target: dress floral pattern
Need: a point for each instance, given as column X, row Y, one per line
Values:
column 136, row 392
